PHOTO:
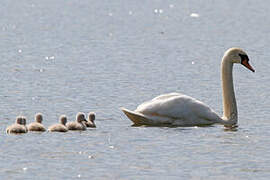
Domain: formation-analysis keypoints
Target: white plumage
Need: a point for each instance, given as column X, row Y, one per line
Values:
column 178, row 109
column 175, row 109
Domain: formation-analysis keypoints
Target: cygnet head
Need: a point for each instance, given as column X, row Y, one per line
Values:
column 237, row 55
column 63, row 119
column 23, row 121
column 39, row 117
column 80, row 117
column 91, row 116
column 19, row 119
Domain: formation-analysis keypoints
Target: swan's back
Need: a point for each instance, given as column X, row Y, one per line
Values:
column 35, row 126
column 58, row 128
column 16, row 129
column 177, row 109
column 76, row 126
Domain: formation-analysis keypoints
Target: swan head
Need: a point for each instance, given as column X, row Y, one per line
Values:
column 19, row 119
column 238, row 55
column 80, row 117
column 39, row 117
column 63, row 119
column 23, row 120
column 91, row 116
column 91, row 120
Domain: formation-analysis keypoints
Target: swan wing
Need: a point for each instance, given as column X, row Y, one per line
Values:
column 176, row 109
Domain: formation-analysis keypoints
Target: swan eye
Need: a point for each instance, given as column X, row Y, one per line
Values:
column 243, row 57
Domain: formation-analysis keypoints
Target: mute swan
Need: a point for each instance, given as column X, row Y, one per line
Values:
column 18, row 127
column 37, row 126
column 78, row 124
column 61, row 127
column 91, row 120
column 177, row 109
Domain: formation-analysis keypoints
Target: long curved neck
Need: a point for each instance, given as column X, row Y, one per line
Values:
column 229, row 103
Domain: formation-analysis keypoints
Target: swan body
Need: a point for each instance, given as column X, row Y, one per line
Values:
column 37, row 126
column 61, row 126
column 177, row 109
column 18, row 126
column 78, row 124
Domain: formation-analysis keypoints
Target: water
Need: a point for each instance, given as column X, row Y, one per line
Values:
column 61, row 57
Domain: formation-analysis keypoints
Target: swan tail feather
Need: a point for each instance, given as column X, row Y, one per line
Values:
column 136, row 118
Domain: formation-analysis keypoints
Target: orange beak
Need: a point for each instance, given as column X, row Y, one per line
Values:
column 247, row 65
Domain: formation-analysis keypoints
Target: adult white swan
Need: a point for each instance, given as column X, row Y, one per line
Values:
column 180, row 110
